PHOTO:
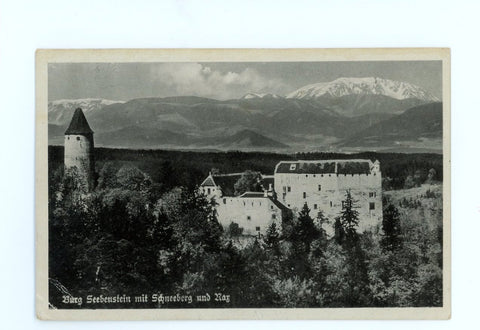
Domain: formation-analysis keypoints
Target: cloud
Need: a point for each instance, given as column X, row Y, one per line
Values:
column 200, row 80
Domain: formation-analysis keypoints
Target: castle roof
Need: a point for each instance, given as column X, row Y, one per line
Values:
column 280, row 205
column 343, row 166
column 208, row 182
column 226, row 182
column 78, row 124
column 252, row 194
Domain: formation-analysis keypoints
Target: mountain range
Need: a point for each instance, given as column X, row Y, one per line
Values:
column 348, row 114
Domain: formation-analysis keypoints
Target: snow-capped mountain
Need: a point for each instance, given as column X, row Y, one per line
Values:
column 363, row 86
column 60, row 111
column 261, row 96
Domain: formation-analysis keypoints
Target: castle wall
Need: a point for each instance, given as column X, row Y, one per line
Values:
column 325, row 192
column 253, row 214
column 79, row 154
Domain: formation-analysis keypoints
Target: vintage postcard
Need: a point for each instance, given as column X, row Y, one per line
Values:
column 243, row 184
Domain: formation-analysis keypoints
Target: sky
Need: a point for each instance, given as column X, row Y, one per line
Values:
column 222, row 80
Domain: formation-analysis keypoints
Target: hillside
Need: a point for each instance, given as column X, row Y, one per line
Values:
column 348, row 114
column 420, row 125
column 132, row 137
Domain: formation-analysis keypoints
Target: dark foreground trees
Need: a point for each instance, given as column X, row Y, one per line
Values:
column 131, row 236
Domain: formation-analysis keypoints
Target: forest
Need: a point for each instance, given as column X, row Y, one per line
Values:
column 146, row 229
column 186, row 168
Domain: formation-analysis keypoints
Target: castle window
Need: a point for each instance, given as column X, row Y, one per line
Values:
column 249, row 217
column 304, row 194
column 271, row 207
column 257, row 228
column 68, row 138
column 372, row 206
column 78, row 138
column 274, row 216
column 224, row 201
column 288, row 205
column 293, row 167
column 306, row 175
column 372, row 194
column 321, row 175
column 314, row 175
column 331, row 204
column 319, row 187
column 208, row 191
column 289, row 189
column 314, row 206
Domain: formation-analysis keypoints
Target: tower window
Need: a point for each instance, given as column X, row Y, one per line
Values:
column 274, row 216
column 224, row 201
column 372, row 194
column 257, row 228
column 208, row 191
column 249, row 217
column 319, row 187
column 331, row 204
column 314, row 206
column 372, row 206
column 304, row 194
column 289, row 189
column 78, row 138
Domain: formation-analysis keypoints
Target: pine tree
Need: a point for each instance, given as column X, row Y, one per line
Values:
column 391, row 228
column 305, row 230
column 272, row 237
column 349, row 218
column 339, row 231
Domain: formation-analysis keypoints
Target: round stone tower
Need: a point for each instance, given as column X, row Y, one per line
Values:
column 79, row 149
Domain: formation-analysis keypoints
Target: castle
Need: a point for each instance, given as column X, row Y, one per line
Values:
column 79, row 149
column 321, row 184
column 252, row 211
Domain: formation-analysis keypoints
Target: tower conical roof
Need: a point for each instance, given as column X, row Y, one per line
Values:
column 79, row 124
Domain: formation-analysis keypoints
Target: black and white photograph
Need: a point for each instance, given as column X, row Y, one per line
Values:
column 313, row 183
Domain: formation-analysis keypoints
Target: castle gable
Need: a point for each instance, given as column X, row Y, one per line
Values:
column 208, row 182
